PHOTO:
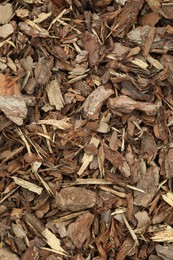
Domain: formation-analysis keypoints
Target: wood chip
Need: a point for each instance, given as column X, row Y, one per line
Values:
column 75, row 199
column 54, row 94
column 94, row 101
column 28, row 185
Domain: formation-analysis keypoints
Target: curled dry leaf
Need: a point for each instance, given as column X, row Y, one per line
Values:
column 75, row 199
column 126, row 105
column 94, row 101
column 11, row 102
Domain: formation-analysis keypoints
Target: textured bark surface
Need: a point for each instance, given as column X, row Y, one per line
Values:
column 86, row 123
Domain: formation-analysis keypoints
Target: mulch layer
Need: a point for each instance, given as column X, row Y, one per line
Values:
column 86, row 122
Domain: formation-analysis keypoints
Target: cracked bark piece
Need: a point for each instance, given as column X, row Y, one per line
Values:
column 168, row 165
column 126, row 105
column 79, row 231
column 94, row 101
column 91, row 45
column 117, row 160
column 126, row 18
column 149, row 183
column 148, row 147
column 11, row 101
column 75, row 199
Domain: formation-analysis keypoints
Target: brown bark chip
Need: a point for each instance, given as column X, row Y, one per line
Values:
column 86, row 123
column 75, row 199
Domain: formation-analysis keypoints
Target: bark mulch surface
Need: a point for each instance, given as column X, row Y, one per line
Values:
column 86, row 121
